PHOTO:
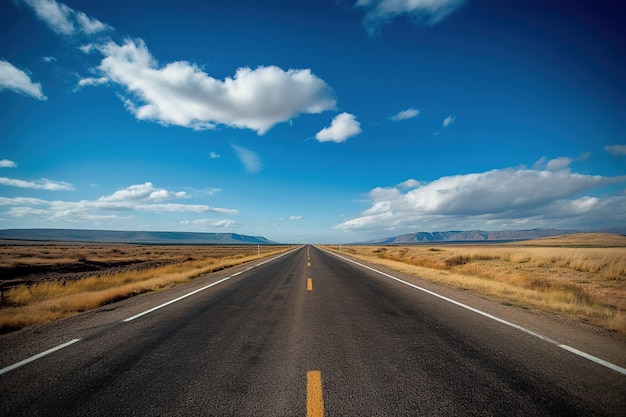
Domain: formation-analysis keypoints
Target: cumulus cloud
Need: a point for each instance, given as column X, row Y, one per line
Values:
column 342, row 127
column 616, row 150
column 16, row 80
column 405, row 114
column 448, row 121
column 7, row 163
column 143, row 192
column 42, row 184
column 249, row 159
column 214, row 155
column 425, row 12
column 182, row 94
column 63, row 19
column 505, row 196
column 139, row 197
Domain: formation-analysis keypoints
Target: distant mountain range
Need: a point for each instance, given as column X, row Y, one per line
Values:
column 471, row 236
column 110, row 236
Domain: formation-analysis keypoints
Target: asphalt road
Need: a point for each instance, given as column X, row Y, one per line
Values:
column 305, row 334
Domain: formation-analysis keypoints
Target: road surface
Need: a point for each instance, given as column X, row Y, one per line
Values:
column 308, row 334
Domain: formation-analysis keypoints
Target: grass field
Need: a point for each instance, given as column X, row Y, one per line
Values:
column 582, row 277
column 48, row 282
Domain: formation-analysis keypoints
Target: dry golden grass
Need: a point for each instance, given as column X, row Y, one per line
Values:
column 51, row 254
column 46, row 300
column 556, row 275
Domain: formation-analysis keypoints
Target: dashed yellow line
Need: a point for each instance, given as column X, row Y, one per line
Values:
column 309, row 284
column 314, row 399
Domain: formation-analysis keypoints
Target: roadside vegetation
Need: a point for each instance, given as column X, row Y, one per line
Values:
column 70, row 285
column 581, row 277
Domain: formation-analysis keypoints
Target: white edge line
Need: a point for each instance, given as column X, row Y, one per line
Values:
column 594, row 359
column 39, row 355
column 136, row 316
column 499, row 320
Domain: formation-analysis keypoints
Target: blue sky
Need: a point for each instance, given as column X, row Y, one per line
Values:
column 312, row 121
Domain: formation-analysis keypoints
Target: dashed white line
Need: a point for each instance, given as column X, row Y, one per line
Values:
column 136, row 316
column 71, row 342
column 39, row 355
column 182, row 297
column 582, row 354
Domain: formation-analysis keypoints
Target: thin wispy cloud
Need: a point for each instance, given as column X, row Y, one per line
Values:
column 210, row 223
column 616, row 150
column 42, row 184
column 405, row 114
column 214, row 155
column 555, row 164
column 342, row 127
column 448, row 121
column 424, row 12
column 250, row 160
column 18, row 81
column 64, row 20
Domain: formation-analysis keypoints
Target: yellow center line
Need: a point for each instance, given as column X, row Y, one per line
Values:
column 308, row 264
column 314, row 400
column 309, row 284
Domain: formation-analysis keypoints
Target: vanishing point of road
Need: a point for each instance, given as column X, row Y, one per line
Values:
column 311, row 333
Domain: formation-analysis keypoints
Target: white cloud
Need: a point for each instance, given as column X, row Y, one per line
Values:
column 63, row 19
column 249, row 159
column 6, row 163
column 555, row 164
column 89, row 25
column 210, row 223
column 559, row 163
column 405, row 114
column 181, row 94
column 183, row 208
column 143, row 192
column 49, row 59
column 18, row 81
column 295, row 218
column 342, row 127
column 88, row 48
column 211, row 190
column 42, row 184
column 410, row 183
column 214, row 155
column 543, row 198
column 18, row 201
column 135, row 198
column 616, row 150
column 448, row 121
column 427, row 12
column 90, row 81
